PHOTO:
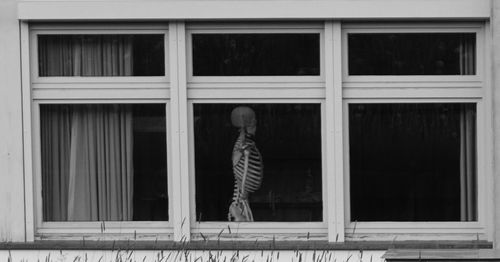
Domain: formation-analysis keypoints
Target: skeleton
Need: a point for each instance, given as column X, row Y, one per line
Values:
column 247, row 164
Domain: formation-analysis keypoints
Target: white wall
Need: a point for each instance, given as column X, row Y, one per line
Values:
column 496, row 113
column 11, row 147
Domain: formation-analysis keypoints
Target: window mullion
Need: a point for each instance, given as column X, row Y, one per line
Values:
column 334, row 148
column 180, row 188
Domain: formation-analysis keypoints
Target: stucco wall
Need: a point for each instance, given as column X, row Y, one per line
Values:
column 11, row 147
column 495, row 26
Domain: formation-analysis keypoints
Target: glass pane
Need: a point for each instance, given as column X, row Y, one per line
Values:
column 412, row 162
column 255, row 54
column 412, row 54
column 101, row 55
column 104, row 162
column 283, row 174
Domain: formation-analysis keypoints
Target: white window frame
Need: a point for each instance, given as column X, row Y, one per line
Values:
column 131, row 87
column 334, row 89
column 256, row 89
column 90, row 90
column 431, row 81
column 424, row 89
column 250, row 230
column 199, row 85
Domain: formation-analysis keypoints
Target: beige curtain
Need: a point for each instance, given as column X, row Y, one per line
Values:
column 86, row 55
column 55, row 139
column 467, row 55
column 468, row 164
column 87, row 163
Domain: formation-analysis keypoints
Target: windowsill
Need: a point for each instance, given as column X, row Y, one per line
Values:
column 240, row 245
column 435, row 255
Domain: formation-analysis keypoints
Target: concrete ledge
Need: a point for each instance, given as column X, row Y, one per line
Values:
column 447, row 255
column 71, row 10
column 240, row 245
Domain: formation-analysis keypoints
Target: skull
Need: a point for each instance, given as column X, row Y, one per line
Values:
column 244, row 118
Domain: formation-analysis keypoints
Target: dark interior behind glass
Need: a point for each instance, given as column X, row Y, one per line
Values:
column 256, row 54
column 289, row 139
column 412, row 53
column 412, row 162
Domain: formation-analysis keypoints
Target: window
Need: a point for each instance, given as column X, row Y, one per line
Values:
column 235, row 94
column 412, row 162
column 238, row 131
column 255, row 54
column 100, row 104
column 284, row 175
column 101, row 55
column 104, row 162
column 413, row 125
column 412, row 54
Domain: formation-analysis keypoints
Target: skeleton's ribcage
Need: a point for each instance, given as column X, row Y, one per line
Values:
column 254, row 176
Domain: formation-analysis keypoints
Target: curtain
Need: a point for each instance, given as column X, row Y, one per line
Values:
column 467, row 55
column 467, row 164
column 55, row 139
column 86, row 55
column 87, row 162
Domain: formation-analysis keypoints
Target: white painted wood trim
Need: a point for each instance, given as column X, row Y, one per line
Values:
column 333, row 122
column 489, row 132
column 415, row 80
column 177, row 217
column 62, row 93
column 338, row 132
column 257, row 94
column 263, row 28
column 37, row 165
column 182, row 191
column 99, row 29
column 29, row 204
column 413, row 93
column 197, row 9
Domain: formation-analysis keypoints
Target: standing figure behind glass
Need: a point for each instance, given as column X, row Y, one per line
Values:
column 247, row 164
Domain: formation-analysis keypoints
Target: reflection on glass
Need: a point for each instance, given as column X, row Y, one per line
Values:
column 255, row 54
column 412, row 54
column 104, row 162
column 101, row 55
column 412, row 162
column 283, row 142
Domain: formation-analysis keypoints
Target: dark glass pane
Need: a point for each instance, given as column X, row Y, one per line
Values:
column 412, row 162
column 288, row 137
column 255, row 54
column 101, row 55
column 104, row 162
column 412, row 54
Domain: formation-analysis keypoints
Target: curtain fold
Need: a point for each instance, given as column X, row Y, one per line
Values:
column 87, row 159
column 467, row 55
column 86, row 55
column 467, row 164
column 88, row 163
